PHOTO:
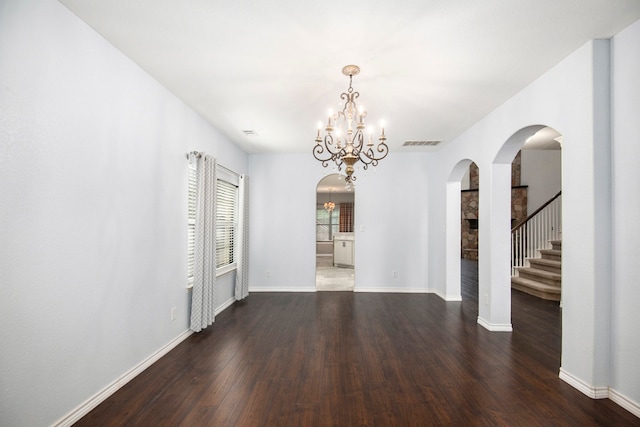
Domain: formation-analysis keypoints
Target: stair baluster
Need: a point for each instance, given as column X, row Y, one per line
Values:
column 536, row 251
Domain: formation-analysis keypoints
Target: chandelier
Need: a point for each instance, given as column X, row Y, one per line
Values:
column 329, row 206
column 343, row 144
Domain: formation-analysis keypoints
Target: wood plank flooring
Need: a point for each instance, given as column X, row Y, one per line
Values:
column 361, row 359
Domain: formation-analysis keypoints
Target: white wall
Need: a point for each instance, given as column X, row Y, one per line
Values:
column 625, row 340
column 391, row 225
column 600, row 347
column 93, row 184
column 93, row 212
column 391, row 208
column 541, row 170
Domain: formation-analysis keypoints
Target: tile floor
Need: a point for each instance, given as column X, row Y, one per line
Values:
column 330, row 278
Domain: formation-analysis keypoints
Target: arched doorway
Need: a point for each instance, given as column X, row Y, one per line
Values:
column 455, row 186
column 335, row 237
column 494, row 251
column 537, row 236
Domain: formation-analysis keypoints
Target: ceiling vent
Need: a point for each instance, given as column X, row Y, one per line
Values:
column 421, row 143
column 250, row 132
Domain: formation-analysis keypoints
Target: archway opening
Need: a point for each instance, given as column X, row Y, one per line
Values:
column 536, row 235
column 536, row 210
column 469, row 204
column 496, row 216
column 335, row 237
column 458, row 179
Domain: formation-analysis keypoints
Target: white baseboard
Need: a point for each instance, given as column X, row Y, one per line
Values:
column 448, row 298
column 625, row 402
column 85, row 407
column 224, row 306
column 392, row 290
column 583, row 387
column 356, row 289
column 89, row 404
column 602, row 392
column 439, row 294
column 495, row 327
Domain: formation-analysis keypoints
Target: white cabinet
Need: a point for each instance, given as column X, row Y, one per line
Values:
column 343, row 254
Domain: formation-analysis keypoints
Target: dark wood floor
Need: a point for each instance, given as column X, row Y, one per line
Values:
column 345, row 359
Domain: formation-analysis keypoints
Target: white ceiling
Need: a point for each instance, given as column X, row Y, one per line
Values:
column 430, row 68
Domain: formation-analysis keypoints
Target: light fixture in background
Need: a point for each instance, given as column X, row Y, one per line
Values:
column 329, row 206
column 342, row 143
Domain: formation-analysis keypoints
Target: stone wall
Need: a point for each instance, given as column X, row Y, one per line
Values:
column 516, row 170
column 469, row 223
column 518, row 204
column 469, row 200
column 474, row 177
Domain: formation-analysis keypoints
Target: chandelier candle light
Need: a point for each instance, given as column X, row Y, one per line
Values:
column 348, row 147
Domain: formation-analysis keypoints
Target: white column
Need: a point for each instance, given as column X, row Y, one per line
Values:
column 586, row 246
column 494, row 254
column 452, row 291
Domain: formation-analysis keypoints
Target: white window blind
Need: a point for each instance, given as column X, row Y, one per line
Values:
column 226, row 223
column 191, row 223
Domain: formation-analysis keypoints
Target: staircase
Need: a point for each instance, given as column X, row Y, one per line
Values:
column 543, row 276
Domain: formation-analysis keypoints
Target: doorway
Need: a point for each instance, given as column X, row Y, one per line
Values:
column 335, row 237
column 535, row 173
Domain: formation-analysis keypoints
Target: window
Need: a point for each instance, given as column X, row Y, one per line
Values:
column 226, row 223
column 191, row 221
column 326, row 223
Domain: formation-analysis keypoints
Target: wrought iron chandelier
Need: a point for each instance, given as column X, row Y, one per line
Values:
column 342, row 143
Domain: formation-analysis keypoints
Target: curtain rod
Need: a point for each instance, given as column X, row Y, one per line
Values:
column 218, row 165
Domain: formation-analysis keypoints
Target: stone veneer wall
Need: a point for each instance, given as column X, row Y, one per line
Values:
column 469, row 200
column 518, row 204
column 516, row 170
column 469, row 242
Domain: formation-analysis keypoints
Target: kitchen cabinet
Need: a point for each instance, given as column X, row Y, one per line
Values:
column 343, row 250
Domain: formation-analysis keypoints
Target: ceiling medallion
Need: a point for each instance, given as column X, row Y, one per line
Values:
column 342, row 143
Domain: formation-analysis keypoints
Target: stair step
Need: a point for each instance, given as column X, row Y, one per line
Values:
column 552, row 254
column 543, row 276
column 556, row 244
column 536, row 289
column 546, row 264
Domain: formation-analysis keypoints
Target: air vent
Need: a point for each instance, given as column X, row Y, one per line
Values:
column 250, row 132
column 420, row 143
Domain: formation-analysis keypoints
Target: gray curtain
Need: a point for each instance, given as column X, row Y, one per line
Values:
column 204, row 274
column 242, row 272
